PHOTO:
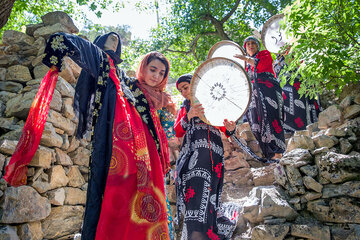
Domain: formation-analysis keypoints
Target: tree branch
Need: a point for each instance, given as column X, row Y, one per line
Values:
column 227, row 16
column 218, row 26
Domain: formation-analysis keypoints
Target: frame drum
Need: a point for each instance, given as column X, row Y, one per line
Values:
column 223, row 88
column 227, row 49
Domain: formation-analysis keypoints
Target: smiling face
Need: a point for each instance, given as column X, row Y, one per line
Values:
column 251, row 47
column 184, row 89
column 111, row 42
column 154, row 73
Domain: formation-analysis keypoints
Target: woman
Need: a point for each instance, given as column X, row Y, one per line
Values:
column 126, row 195
column 200, row 173
column 298, row 111
column 266, row 106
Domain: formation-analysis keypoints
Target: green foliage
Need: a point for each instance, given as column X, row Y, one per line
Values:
column 327, row 48
column 191, row 27
column 27, row 12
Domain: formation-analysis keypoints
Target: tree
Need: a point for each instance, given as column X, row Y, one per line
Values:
column 6, row 7
column 327, row 48
column 191, row 27
column 30, row 11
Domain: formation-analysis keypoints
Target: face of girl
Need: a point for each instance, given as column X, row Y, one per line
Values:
column 184, row 89
column 251, row 47
column 154, row 73
column 111, row 42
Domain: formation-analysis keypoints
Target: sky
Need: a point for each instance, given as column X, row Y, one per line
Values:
column 140, row 22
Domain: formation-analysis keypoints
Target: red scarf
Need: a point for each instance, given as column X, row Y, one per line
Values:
column 31, row 135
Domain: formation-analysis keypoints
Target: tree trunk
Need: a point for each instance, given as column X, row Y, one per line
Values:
column 5, row 10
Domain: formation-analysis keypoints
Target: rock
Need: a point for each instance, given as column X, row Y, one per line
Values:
column 6, row 96
column 20, row 105
column 345, row 146
column 323, row 141
column 55, row 17
column 280, row 175
column 80, row 156
column 337, row 168
column 10, row 86
column 7, row 146
column 302, row 133
column 9, row 60
column 310, row 231
column 58, row 177
column 30, row 29
column 68, row 109
column 8, row 233
column 352, row 111
column 40, row 71
column 313, row 127
column 41, row 186
column 347, row 101
column 65, row 89
column 56, row 196
column 351, row 189
column 303, row 142
column 42, row 158
column 62, row 221
column 330, row 117
column 263, row 176
column 312, row 184
column 23, row 204
column 56, row 101
column 61, row 122
column 310, row 171
column 18, row 73
column 74, row 144
column 234, row 163
column 31, row 231
column 269, row 232
column 9, row 123
column 75, row 177
column 266, row 201
column 46, row 31
column 297, row 158
column 309, row 196
column 49, row 137
column 74, row 196
column 336, row 210
column 337, row 132
column 295, row 180
column 2, row 74
column 14, row 37
column 232, row 177
column 348, row 232
column 62, row 158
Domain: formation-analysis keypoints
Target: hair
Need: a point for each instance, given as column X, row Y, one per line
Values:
column 146, row 60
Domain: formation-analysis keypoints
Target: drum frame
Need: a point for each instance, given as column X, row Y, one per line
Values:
column 223, row 42
column 194, row 100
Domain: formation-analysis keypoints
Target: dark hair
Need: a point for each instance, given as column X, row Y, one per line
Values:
column 161, row 58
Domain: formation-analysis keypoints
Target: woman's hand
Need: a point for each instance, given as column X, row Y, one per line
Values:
column 195, row 111
column 242, row 57
column 229, row 125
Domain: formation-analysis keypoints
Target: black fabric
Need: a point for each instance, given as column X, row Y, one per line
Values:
column 93, row 60
column 199, row 184
column 85, row 89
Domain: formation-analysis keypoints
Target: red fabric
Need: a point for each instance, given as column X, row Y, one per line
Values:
column 134, row 203
column 31, row 135
column 265, row 62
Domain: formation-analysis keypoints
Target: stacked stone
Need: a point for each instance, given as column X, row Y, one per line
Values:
column 51, row 205
column 317, row 189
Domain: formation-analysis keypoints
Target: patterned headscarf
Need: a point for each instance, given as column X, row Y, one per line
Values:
column 252, row 38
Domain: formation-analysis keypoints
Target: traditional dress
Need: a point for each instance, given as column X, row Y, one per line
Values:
column 126, row 195
column 298, row 111
column 199, row 180
column 266, row 107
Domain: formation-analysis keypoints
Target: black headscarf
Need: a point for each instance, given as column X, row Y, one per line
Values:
column 85, row 88
column 184, row 78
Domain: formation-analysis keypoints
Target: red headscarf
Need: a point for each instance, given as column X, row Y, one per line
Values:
column 156, row 95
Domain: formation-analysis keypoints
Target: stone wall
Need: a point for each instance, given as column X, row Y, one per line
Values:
column 51, row 205
column 312, row 194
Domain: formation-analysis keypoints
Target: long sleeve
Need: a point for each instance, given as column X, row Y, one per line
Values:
column 264, row 62
column 181, row 123
column 81, row 51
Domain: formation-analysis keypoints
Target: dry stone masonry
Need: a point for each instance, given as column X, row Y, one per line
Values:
column 313, row 193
